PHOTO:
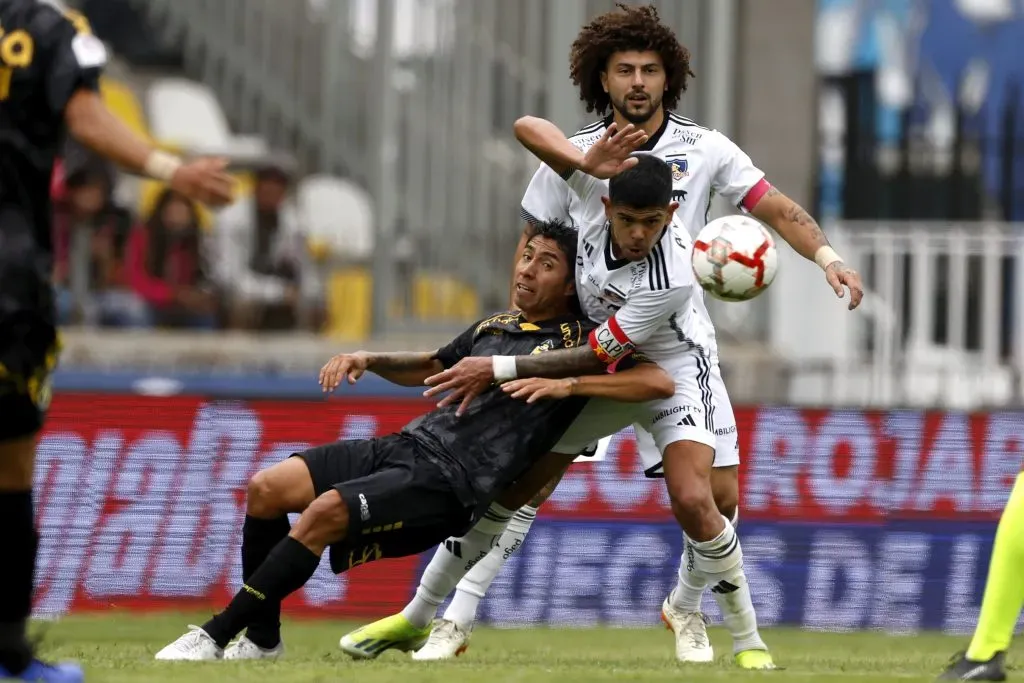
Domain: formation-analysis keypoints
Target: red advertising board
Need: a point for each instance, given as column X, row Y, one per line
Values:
column 140, row 500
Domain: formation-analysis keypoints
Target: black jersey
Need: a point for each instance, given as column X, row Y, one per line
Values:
column 498, row 438
column 45, row 57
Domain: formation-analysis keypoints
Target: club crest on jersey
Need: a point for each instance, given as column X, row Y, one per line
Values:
column 546, row 346
column 613, row 297
column 680, row 167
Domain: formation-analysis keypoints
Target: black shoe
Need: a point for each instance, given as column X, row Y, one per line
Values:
column 962, row 669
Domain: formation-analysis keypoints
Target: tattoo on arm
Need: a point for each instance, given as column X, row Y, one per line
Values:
column 402, row 361
column 796, row 215
column 772, row 192
column 562, row 363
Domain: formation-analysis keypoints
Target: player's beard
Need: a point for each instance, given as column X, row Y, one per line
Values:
column 637, row 117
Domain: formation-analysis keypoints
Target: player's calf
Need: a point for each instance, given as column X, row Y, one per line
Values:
column 715, row 548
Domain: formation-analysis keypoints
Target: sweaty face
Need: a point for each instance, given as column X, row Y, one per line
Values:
column 635, row 83
column 543, row 280
column 636, row 231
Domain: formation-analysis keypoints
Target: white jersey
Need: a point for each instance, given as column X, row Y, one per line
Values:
column 704, row 162
column 645, row 305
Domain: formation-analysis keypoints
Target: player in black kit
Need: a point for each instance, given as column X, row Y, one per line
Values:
column 404, row 493
column 49, row 80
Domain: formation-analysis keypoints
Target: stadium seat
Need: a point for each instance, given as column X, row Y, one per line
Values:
column 338, row 217
column 188, row 114
column 439, row 296
column 349, row 298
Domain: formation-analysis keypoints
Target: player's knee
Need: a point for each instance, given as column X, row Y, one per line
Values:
column 261, row 495
column 324, row 522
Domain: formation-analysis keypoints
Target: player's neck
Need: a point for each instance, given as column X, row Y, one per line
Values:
column 539, row 316
column 650, row 126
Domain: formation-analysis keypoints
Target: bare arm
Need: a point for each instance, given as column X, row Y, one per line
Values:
column 548, row 143
column 561, row 363
column 792, row 222
column 803, row 233
column 408, row 368
column 645, row 382
column 91, row 123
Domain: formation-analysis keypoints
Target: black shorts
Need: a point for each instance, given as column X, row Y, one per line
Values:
column 399, row 502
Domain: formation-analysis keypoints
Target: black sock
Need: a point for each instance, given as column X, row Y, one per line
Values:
column 19, row 541
column 287, row 569
column 259, row 537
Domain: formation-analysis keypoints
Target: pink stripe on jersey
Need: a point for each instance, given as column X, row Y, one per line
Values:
column 756, row 193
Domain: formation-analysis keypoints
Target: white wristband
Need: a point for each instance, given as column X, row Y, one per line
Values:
column 162, row 166
column 826, row 256
column 504, row 368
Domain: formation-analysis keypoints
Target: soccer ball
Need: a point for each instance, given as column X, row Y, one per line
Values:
column 734, row 258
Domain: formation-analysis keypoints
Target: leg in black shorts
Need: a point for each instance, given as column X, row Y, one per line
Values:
column 376, row 498
column 399, row 503
column 27, row 357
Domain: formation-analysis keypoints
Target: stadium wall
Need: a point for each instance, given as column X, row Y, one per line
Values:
column 851, row 519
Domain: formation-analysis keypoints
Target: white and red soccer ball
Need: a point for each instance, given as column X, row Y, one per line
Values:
column 734, row 258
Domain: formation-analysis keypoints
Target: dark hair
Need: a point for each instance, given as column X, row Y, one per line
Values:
column 646, row 185
column 622, row 30
column 159, row 237
column 561, row 234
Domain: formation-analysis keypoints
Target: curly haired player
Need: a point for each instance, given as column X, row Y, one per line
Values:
column 631, row 68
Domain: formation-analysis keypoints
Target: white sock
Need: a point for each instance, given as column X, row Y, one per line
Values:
column 473, row 586
column 451, row 561
column 721, row 561
column 691, row 584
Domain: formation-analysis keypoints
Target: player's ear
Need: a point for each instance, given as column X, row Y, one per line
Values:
column 570, row 286
column 604, row 80
column 607, row 207
column 672, row 211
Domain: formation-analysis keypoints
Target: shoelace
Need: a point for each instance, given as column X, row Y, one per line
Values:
column 697, row 638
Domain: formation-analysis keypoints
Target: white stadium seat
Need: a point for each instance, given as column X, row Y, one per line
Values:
column 338, row 215
column 187, row 114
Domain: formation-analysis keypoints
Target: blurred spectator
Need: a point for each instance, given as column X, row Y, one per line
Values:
column 262, row 260
column 89, row 237
column 165, row 266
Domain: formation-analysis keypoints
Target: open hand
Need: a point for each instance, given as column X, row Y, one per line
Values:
column 465, row 380
column 350, row 366
column 610, row 155
column 532, row 389
column 205, row 180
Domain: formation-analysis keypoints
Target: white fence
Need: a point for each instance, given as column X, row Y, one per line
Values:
column 942, row 323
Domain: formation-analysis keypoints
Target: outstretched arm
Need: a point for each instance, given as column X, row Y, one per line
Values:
column 803, row 233
column 606, row 158
column 644, row 382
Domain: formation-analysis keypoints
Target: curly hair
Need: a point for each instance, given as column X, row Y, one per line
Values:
column 630, row 28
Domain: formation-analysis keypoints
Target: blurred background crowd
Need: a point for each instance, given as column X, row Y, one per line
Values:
column 380, row 181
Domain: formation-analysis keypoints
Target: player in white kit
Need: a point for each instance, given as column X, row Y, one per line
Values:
column 628, row 62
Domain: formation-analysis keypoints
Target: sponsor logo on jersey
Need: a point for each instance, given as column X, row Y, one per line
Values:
column 637, row 273
column 689, row 137
column 675, row 410
column 725, row 430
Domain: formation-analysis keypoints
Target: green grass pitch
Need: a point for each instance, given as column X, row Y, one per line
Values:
column 118, row 648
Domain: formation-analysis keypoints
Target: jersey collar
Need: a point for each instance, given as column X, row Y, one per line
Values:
column 651, row 141
column 610, row 262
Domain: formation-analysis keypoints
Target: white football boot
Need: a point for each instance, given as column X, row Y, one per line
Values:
column 690, row 629
column 243, row 648
column 194, row 646
column 446, row 641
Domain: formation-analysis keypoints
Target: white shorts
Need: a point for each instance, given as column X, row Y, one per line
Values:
column 700, row 411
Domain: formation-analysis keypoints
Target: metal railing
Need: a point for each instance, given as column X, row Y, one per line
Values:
column 420, row 114
column 942, row 323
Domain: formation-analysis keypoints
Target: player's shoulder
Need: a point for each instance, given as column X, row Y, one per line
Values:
column 667, row 267
column 586, row 136
column 686, row 131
